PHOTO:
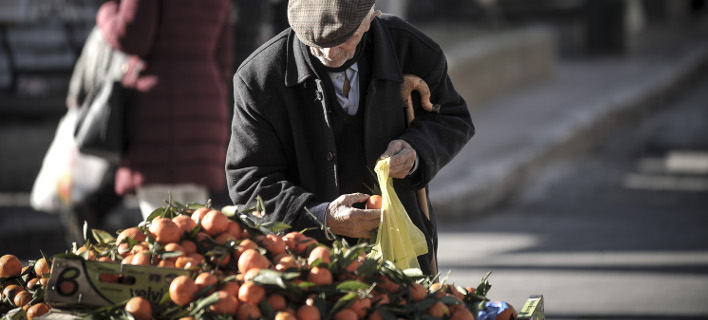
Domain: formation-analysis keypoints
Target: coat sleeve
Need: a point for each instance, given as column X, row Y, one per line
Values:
column 257, row 165
column 438, row 137
column 129, row 25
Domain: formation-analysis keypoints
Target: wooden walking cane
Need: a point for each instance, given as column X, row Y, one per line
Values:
column 412, row 82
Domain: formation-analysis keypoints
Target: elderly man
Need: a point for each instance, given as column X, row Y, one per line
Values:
column 315, row 108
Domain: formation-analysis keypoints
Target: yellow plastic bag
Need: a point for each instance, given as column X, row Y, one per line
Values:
column 398, row 239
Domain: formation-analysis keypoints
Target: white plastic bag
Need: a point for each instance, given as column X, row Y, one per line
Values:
column 66, row 175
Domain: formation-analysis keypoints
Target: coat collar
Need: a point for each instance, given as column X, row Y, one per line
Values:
column 385, row 64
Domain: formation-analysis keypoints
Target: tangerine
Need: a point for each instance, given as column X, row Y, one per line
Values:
column 320, row 252
column 41, row 267
column 345, row 314
column 251, row 293
column 132, row 233
column 227, row 304
column 199, row 214
column 215, row 222
column 189, row 246
column 360, row 307
column 206, row 279
column 307, row 312
column 22, row 298
column 10, row 266
column 320, row 276
column 164, row 231
column 37, row 310
column 234, row 229
column 417, row 291
column 438, row 310
column 274, row 244
column 247, row 311
column 185, row 223
column 508, row 314
column 231, row 287
column 462, row 314
column 284, row 315
column 374, row 202
column 277, row 302
column 139, row 307
column 182, row 290
column 251, row 258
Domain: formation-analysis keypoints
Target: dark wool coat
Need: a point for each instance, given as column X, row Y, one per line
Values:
column 178, row 119
column 282, row 146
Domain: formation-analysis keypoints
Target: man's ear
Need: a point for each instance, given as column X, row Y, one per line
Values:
column 376, row 14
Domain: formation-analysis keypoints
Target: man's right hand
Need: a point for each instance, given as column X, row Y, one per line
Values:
column 346, row 220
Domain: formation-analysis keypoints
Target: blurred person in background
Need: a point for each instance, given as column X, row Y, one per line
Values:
column 178, row 114
column 320, row 102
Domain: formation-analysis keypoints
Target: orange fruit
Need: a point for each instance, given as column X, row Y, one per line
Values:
column 174, row 247
column 185, row 223
column 306, row 312
column 231, row 287
column 199, row 214
column 206, row 279
column 251, row 273
column 251, row 258
column 234, row 229
column 10, row 266
column 251, row 293
column 277, row 302
column 244, row 245
column 417, row 291
column 41, row 267
column 374, row 315
column 141, row 259
column 32, row 283
column 436, row 288
column 220, row 259
column 509, row 313
column 286, row 262
column 247, row 311
column 438, row 310
column 283, row 315
column 11, row 290
column 388, row 285
column 320, row 276
column 360, row 307
column 225, row 237
column 37, row 310
column 274, row 244
column 345, row 314
column 470, row 290
column 134, row 233
column 182, row 290
column 164, row 231
column 462, row 314
column 91, row 255
column 227, row 303
column 320, row 252
column 215, row 222
column 22, row 298
column 139, row 307
column 189, row 246
column 356, row 263
column 374, row 202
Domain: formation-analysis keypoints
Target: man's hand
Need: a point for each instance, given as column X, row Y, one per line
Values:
column 402, row 158
column 346, row 220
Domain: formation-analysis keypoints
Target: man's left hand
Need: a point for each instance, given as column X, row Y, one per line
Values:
column 402, row 158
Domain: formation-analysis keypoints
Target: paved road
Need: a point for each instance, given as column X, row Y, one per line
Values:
column 619, row 234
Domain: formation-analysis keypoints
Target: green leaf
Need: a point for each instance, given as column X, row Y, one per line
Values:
column 205, row 303
column 157, row 213
column 352, row 285
column 102, row 237
column 270, row 277
column 275, row 226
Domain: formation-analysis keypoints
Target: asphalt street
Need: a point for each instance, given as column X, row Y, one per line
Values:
column 620, row 233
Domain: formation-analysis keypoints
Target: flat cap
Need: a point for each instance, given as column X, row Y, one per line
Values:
column 326, row 23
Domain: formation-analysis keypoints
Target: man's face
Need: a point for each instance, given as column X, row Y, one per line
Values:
column 336, row 56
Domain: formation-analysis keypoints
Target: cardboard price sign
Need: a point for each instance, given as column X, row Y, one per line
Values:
column 77, row 283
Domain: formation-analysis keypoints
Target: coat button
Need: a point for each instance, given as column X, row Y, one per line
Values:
column 330, row 156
